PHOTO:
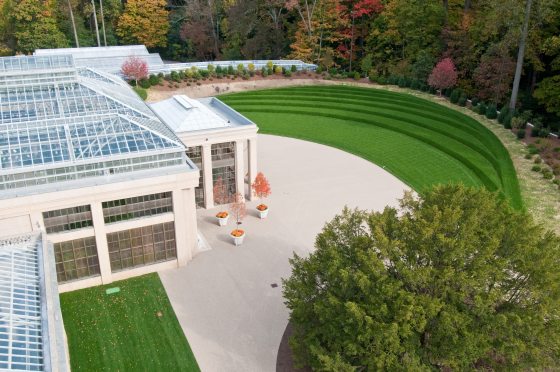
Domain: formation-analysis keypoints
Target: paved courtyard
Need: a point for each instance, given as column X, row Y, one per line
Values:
column 226, row 299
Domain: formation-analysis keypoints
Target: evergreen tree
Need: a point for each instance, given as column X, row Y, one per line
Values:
column 453, row 280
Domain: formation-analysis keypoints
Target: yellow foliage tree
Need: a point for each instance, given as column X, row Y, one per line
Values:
column 144, row 22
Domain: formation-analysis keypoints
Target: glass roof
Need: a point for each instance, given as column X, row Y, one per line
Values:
column 56, row 115
column 21, row 341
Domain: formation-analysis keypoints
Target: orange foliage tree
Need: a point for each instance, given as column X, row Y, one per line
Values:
column 144, row 22
column 261, row 186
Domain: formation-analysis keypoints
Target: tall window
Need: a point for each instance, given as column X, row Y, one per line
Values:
column 223, row 167
column 140, row 206
column 142, row 246
column 76, row 259
column 67, row 219
column 195, row 154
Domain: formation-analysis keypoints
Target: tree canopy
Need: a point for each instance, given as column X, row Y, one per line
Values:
column 453, row 279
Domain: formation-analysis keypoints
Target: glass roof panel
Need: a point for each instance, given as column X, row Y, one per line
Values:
column 55, row 115
column 20, row 305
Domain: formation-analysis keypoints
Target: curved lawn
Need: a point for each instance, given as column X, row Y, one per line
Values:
column 420, row 142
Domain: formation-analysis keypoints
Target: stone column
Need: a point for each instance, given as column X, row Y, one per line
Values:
column 252, row 164
column 101, row 242
column 207, row 175
column 184, row 211
column 239, row 167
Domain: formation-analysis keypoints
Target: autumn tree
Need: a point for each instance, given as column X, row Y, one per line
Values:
column 220, row 192
column 36, row 26
column 144, row 22
column 454, row 279
column 443, row 75
column 134, row 68
column 494, row 74
column 238, row 208
column 261, row 186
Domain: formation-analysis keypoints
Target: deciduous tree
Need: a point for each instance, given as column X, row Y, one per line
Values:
column 134, row 68
column 144, row 22
column 444, row 75
column 261, row 186
column 36, row 26
column 453, row 280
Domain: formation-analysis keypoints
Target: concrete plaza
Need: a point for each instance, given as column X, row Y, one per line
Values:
column 229, row 299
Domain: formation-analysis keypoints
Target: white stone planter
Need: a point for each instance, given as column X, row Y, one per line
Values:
column 238, row 240
column 263, row 214
column 223, row 221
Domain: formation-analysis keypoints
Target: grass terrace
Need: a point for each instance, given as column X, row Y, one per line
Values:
column 418, row 141
column 132, row 330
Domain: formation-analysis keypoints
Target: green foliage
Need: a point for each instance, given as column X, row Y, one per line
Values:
column 454, row 97
column 503, row 113
column 293, row 68
column 521, row 133
column 366, row 64
column 144, row 83
column 474, row 102
column 36, row 27
column 397, row 131
column 536, row 168
column 141, row 92
column 462, row 101
column 548, row 94
column 491, row 112
column 393, row 290
column 122, row 331
column 230, row 70
column 154, row 80
column 357, row 76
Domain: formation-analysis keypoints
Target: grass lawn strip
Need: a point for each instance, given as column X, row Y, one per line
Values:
column 350, row 118
column 122, row 331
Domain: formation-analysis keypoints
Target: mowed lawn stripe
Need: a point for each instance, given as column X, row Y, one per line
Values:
column 441, row 129
column 419, row 165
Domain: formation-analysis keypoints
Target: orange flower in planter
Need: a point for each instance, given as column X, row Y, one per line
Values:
column 262, row 207
column 222, row 214
column 237, row 233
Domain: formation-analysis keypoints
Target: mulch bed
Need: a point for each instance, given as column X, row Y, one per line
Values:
column 285, row 358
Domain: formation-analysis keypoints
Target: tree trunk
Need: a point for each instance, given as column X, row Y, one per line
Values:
column 467, row 5
column 520, row 56
column 73, row 25
column 445, row 11
column 352, row 43
column 102, row 22
column 95, row 23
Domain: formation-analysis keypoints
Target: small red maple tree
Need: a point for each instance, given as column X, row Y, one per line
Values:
column 444, row 75
column 261, row 187
column 134, row 68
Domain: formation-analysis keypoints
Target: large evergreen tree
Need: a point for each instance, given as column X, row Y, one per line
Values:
column 453, row 280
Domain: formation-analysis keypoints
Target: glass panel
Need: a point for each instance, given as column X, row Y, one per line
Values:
column 76, row 259
column 151, row 244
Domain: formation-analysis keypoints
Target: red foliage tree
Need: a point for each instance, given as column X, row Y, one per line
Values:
column 494, row 75
column 444, row 75
column 134, row 68
column 261, row 187
column 220, row 193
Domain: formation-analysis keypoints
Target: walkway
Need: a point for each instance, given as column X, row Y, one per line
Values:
column 225, row 299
